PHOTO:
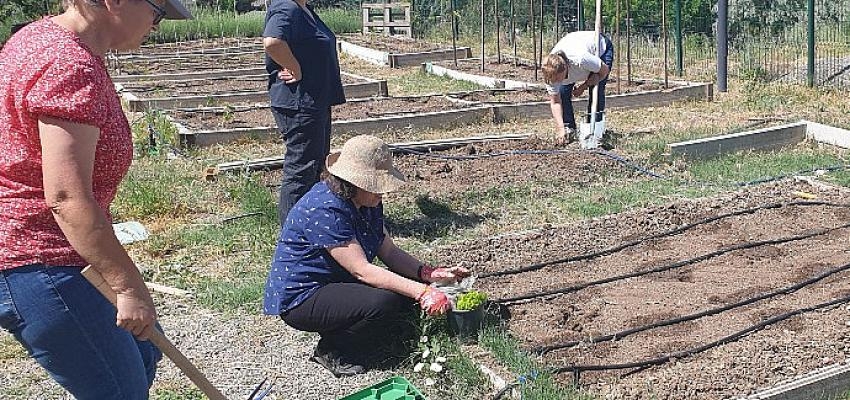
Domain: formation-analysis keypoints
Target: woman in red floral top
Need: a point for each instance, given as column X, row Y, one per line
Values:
column 65, row 145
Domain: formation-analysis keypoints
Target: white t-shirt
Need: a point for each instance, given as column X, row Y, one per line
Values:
column 580, row 50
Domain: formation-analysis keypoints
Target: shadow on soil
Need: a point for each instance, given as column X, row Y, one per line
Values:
column 436, row 220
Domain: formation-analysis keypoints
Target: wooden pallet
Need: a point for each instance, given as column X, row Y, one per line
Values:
column 383, row 18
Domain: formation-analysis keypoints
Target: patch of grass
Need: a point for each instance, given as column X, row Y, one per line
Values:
column 341, row 20
column 10, row 348
column 153, row 133
column 178, row 393
column 243, row 293
column 747, row 167
column 210, row 24
column 159, row 188
column 528, row 205
column 541, row 385
column 840, row 178
column 416, row 82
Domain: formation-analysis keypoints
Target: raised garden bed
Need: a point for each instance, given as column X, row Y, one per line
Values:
column 168, row 94
column 204, row 126
column 193, row 47
column 397, row 51
column 647, row 272
column 508, row 74
column 188, row 63
column 493, row 106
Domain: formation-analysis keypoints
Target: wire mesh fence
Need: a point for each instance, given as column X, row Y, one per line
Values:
column 768, row 40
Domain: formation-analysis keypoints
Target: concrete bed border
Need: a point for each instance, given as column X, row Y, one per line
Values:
column 769, row 138
column 396, row 60
column 822, row 383
column 367, row 88
column 483, row 80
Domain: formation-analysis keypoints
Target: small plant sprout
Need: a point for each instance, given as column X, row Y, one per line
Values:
column 470, row 300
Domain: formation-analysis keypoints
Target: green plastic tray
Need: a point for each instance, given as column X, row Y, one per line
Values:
column 395, row 388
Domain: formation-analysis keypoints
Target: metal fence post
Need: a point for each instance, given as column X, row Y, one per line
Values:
column 722, row 43
column 810, row 73
column 680, row 63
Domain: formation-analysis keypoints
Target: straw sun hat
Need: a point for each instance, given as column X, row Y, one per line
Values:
column 366, row 162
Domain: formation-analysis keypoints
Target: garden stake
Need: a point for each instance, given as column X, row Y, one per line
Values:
column 163, row 344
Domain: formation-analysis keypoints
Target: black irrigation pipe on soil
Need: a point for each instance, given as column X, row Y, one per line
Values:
column 641, row 365
column 617, row 248
column 667, row 267
column 621, row 334
column 831, row 168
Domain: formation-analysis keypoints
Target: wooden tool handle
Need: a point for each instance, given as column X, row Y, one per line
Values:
column 160, row 341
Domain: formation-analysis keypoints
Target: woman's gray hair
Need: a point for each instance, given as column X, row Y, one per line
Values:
column 340, row 187
column 68, row 3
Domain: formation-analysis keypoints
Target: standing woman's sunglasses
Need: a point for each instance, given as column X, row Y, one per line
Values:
column 160, row 12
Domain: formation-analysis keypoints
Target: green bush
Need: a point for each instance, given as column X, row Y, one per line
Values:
column 470, row 300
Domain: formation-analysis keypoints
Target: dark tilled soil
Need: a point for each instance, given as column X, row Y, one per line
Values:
column 202, row 87
column 498, row 164
column 524, row 72
column 784, row 350
column 228, row 118
column 192, row 63
column 393, row 44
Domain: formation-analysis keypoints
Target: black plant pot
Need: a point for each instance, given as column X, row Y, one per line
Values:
column 466, row 324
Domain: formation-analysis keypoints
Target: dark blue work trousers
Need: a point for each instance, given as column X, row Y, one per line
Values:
column 307, row 135
column 566, row 92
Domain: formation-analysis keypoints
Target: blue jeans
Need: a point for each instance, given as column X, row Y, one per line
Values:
column 307, row 135
column 566, row 91
column 69, row 328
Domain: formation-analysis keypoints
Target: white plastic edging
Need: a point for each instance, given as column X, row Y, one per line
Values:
column 374, row 56
column 828, row 134
column 822, row 383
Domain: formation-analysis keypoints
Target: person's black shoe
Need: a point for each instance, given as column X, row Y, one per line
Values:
column 334, row 362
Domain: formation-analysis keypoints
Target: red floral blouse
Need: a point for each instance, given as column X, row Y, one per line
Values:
column 46, row 70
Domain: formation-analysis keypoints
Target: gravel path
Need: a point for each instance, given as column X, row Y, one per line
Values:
column 235, row 352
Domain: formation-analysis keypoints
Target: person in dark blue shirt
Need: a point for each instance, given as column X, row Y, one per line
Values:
column 304, row 82
column 322, row 276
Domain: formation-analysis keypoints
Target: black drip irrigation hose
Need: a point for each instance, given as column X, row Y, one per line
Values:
column 521, row 381
column 831, row 168
column 667, row 267
column 628, row 163
column 541, row 350
column 617, row 248
column 576, row 370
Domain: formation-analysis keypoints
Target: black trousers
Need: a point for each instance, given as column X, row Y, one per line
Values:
column 307, row 135
column 355, row 317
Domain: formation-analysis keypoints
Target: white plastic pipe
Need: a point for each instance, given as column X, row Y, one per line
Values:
column 595, row 103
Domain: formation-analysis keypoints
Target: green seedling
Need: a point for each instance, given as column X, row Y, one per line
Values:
column 470, row 300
